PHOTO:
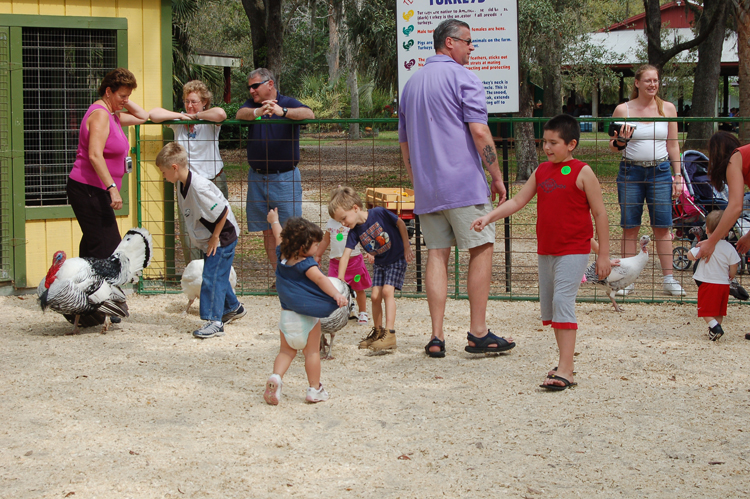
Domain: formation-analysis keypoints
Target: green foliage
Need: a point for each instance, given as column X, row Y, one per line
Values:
column 183, row 50
column 375, row 25
column 222, row 26
column 231, row 135
column 327, row 100
column 300, row 61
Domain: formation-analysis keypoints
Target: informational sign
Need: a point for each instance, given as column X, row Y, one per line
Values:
column 494, row 32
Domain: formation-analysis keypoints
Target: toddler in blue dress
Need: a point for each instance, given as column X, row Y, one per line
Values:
column 306, row 295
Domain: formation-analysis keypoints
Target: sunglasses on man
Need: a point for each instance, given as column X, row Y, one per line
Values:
column 255, row 86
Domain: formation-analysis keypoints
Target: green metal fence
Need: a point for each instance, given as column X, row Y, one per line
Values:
column 330, row 156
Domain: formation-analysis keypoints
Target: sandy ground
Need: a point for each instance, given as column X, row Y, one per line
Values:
column 148, row 411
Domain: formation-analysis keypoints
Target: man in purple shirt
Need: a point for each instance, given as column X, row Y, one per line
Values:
column 444, row 139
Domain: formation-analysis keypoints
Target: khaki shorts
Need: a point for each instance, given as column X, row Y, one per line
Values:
column 446, row 228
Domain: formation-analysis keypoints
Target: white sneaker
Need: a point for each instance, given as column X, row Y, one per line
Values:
column 319, row 395
column 672, row 287
column 272, row 395
column 363, row 319
column 625, row 291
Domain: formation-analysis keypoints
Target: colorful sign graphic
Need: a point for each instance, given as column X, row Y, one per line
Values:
column 494, row 33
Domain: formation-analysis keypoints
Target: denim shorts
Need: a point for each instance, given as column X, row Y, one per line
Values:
column 652, row 184
column 273, row 190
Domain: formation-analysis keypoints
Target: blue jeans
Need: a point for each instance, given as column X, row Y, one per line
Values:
column 653, row 184
column 274, row 190
column 217, row 297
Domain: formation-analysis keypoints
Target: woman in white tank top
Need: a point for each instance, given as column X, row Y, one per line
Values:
column 647, row 151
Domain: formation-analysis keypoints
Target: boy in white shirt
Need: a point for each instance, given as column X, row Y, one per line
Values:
column 213, row 229
column 713, row 278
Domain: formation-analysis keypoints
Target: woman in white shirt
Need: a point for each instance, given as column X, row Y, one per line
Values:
column 201, row 141
column 647, row 150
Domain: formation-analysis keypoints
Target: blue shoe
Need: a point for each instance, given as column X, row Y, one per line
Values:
column 209, row 330
column 239, row 313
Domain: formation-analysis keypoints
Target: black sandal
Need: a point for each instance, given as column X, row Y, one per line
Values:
column 482, row 345
column 434, row 342
column 558, row 388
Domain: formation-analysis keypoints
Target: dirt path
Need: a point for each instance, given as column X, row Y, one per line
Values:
column 148, row 411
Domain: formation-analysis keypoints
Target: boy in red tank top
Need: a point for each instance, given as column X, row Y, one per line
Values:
column 568, row 194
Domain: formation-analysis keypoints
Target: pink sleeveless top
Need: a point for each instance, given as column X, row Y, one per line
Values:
column 745, row 154
column 115, row 150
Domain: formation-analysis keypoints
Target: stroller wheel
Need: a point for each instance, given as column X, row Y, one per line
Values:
column 679, row 258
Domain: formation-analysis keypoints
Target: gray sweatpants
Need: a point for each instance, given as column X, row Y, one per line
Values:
column 559, row 279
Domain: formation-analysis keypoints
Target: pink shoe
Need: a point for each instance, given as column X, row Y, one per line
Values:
column 272, row 395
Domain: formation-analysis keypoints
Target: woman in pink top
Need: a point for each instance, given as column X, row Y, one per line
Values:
column 94, row 184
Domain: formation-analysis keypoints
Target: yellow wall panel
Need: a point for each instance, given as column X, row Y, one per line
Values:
column 133, row 10
column 75, row 237
column 152, row 55
column 103, row 9
column 25, row 7
column 78, row 7
column 52, row 7
column 44, row 237
column 36, row 252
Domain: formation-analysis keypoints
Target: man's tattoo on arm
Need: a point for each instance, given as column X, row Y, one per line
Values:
column 490, row 156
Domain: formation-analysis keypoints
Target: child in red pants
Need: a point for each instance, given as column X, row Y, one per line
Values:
column 713, row 278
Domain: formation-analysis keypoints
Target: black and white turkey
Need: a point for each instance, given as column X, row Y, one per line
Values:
column 338, row 318
column 621, row 276
column 86, row 291
column 192, row 279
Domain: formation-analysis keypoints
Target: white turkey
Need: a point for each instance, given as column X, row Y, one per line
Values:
column 338, row 318
column 621, row 276
column 192, row 279
column 86, row 291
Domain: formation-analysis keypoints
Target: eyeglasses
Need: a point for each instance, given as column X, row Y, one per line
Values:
column 467, row 42
column 255, row 86
column 193, row 102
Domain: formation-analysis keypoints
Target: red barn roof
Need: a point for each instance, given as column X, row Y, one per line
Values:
column 675, row 14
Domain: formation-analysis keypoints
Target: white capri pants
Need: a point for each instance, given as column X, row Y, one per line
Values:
column 559, row 279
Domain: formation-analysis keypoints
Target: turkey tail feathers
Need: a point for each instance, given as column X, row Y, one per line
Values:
column 116, row 308
column 135, row 252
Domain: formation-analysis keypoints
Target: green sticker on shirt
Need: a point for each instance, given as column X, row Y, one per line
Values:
column 565, row 170
column 339, row 237
column 357, row 278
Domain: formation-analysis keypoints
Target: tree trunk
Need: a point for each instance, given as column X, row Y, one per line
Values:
column 351, row 51
column 354, row 90
column 551, row 63
column 743, row 43
column 706, row 86
column 526, row 158
column 653, row 32
column 256, row 14
column 657, row 56
column 335, row 15
column 312, row 7
column 275, row 36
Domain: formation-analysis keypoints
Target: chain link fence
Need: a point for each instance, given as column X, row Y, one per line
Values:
column 332, row 156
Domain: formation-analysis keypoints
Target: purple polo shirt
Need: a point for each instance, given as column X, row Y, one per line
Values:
column 436, row 106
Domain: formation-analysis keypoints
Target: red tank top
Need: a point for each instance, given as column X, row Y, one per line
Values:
column 745, row 154
column 563, row 224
